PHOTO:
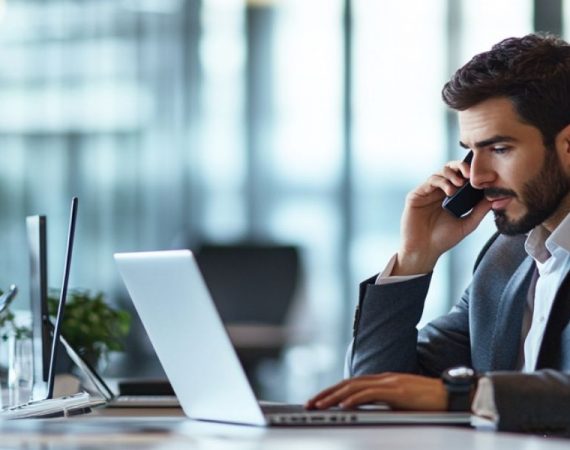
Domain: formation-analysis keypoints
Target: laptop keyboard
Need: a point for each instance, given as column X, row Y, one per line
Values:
column 56, row 407
column 277, row 408
column 145, row 401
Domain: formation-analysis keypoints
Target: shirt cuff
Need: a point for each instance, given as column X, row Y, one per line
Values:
column 385, row 277
column 484, row 401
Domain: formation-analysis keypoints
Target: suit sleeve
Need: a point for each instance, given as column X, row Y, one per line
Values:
column 532, row 402
column 386, row 336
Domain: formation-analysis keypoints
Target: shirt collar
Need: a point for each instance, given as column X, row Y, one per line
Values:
column 541, row 244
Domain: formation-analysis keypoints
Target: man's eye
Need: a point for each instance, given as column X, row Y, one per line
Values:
column 499, row 149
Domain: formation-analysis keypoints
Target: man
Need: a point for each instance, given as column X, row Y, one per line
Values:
column 512, row 324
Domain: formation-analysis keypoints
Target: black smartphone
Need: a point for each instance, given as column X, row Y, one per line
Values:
column 462, row 202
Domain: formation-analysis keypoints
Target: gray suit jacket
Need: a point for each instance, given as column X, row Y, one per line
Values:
column 483, row 330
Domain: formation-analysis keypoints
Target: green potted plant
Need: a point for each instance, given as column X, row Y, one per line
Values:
column 90, row 325
column 8, row 325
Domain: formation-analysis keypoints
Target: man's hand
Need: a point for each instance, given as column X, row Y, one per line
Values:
column 427, row 229
column 399, row 390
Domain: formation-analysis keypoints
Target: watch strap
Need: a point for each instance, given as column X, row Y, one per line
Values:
column 459, row 400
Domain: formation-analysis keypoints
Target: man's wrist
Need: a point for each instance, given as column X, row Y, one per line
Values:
column 410, row 263
column 460, row 384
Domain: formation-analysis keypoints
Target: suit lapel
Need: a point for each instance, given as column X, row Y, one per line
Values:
column 551, row 352
column 507, row 335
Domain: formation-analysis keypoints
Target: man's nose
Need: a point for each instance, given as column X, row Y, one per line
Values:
column 481, row 173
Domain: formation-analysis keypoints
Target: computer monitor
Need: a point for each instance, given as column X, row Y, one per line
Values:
column 48, row 406
column 41, row 329
column 62, row 299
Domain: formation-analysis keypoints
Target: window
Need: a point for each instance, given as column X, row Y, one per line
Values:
column 184, row 121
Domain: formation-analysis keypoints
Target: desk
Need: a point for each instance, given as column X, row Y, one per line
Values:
column 143, row 430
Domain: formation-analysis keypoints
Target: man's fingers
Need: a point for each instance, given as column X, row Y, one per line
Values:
column 369, row 395
column 402, row 391
column 348, row 388
column 337, row 396
column 324, row 394
column 438, row 181
column 334, row 389
column 460, row 167
column 454, row 176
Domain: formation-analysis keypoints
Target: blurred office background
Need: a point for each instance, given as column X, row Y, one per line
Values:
column 295, row 122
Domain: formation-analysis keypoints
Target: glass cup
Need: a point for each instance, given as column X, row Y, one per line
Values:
column 20, row 369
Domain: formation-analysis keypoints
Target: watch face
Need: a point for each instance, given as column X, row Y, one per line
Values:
column 461, row 372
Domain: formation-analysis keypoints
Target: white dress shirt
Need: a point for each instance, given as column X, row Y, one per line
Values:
column 551, row 253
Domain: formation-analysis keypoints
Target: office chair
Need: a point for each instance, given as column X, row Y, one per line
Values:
column 253, row 286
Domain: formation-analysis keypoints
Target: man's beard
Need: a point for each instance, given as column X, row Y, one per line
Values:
column 542, row 196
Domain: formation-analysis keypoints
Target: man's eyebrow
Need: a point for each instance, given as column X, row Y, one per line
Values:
column 490, row 141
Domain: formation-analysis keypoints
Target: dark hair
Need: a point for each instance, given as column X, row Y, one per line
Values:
column 532, row 71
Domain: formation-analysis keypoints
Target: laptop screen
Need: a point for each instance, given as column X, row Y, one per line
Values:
column 62, row 297
column 41, row 331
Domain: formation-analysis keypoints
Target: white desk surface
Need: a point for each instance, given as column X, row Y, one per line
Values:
column 143, row 431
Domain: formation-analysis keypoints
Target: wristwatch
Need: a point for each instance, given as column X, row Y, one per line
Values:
column 459, row 382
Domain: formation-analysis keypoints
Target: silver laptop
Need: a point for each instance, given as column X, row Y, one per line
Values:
column 113, row 400
column 177, row 311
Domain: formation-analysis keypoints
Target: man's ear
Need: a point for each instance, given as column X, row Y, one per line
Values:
column 562, row 143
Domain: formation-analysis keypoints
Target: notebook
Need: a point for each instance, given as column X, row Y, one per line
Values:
column 49, row 406
column 178, row 313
